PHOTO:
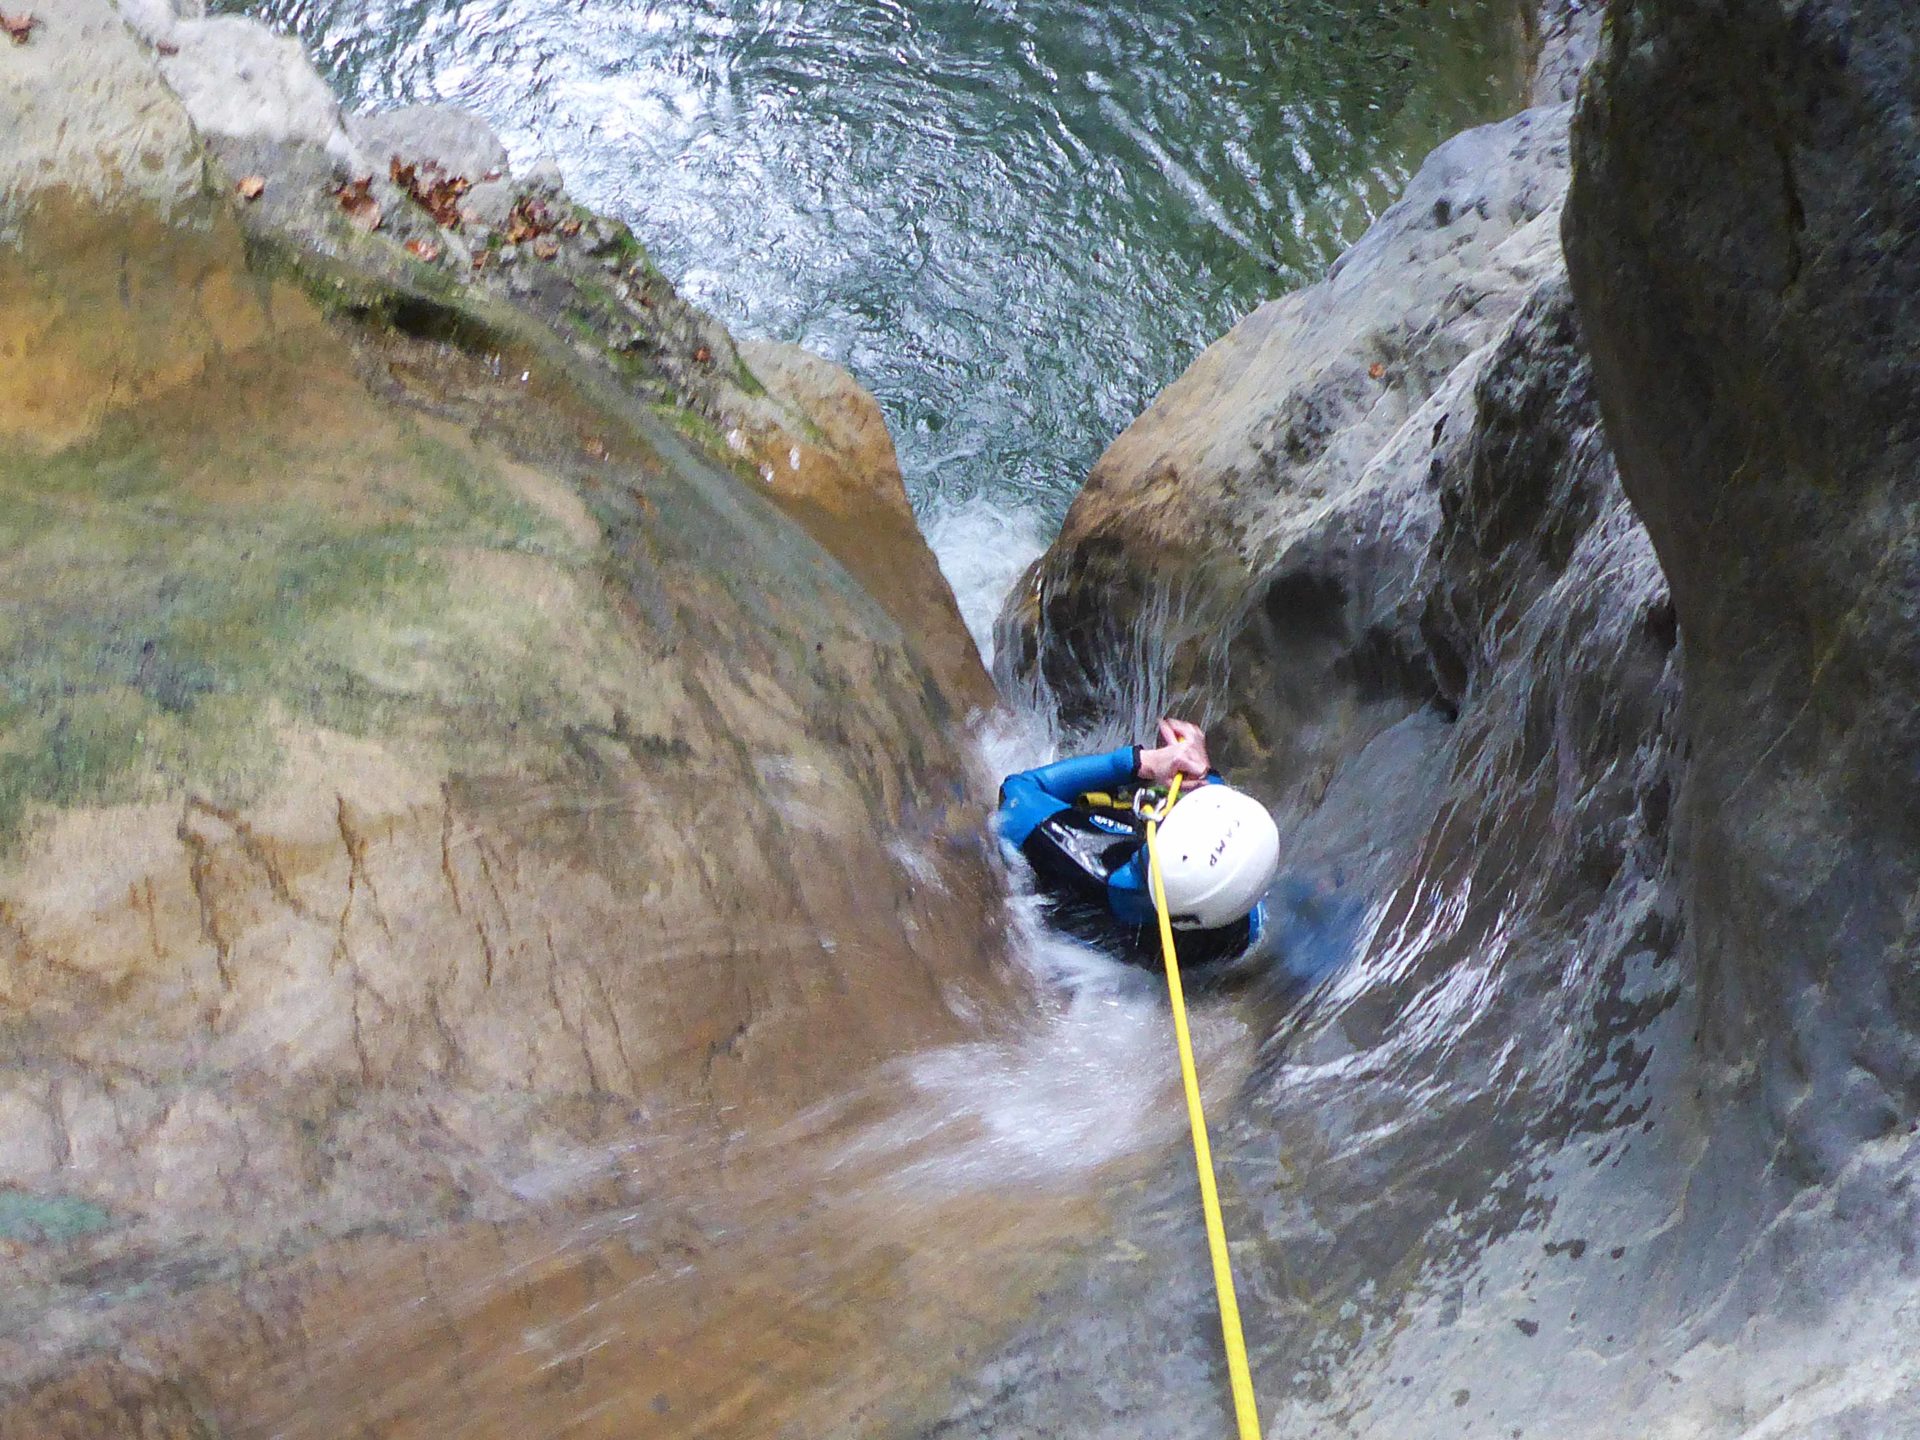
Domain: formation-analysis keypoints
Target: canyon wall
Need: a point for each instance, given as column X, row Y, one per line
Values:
column 1740, row 238
column 1558, row 598
column 456, row 821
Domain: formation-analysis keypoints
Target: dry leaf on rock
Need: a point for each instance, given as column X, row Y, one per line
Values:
column 18, row 27
column 252, row 187
column 545, row 248
column 356, row 199
column 432, row 189
column 423, row 250
column 528, row 219
column 1376, row 370
column 703, row 355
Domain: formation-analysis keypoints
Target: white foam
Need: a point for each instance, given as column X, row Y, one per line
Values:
column 983, row 547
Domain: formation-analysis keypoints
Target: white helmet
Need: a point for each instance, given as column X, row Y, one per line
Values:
column 1218, row 851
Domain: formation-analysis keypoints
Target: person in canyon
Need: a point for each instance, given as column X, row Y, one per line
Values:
column 1079, row 823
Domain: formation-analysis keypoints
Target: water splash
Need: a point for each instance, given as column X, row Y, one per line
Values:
column 983, row 547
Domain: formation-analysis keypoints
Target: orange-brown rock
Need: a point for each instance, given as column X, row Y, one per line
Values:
column 830, row 461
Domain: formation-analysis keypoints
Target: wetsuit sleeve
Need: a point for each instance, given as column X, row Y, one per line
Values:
column 1029, row 796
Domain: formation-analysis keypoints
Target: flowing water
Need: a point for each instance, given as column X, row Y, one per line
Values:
column 1015, row 222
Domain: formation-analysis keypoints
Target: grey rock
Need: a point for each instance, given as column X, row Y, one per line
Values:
column 1600, row 1120
column 1278, row 423
column 543, row 175
column 457, row 141
column 1742, row 242
column 85, row 114
column 489, row 202
column 156, row 20
column 240, row 81
column 1568, row 36
column 1407, row 1124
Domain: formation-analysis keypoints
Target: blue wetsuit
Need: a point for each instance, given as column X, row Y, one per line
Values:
column 1092, row 864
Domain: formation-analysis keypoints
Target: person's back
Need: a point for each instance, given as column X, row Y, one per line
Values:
column 1074, row 822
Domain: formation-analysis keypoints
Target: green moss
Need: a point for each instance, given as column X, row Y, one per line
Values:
column 631, row 252
column 456, row 314
column 587, row 328
column 747, row 380
column 382, row 286
column 32, row 1219
column 601, row 310
column 156, row 628
column 701, row 432
column 275, row 546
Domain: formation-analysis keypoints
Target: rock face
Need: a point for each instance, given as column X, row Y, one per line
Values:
column 1566, row 33
column 92, row 126
column 447, row 805
column 1739, row 237
column 88, row 115
column 1478, row 891
column 1438, row 644
column 1596, row 1115
column 518, row 240
column 838, row 475
column 1256, row 518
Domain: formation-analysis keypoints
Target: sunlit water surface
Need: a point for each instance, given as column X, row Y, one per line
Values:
column 1015, row 221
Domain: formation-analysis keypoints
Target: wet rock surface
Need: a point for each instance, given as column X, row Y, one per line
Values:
column 1473, row 904
column 403, row 212
column 1594, row 1115
column 839, row 476
column 1756, row 355
column 1236, row 469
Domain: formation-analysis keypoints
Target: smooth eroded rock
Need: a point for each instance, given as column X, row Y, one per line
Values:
column 1236, row 510
column 447, row 812
column 1741, row 242
column 87, row 117
column 455, row 141
column 828, row 458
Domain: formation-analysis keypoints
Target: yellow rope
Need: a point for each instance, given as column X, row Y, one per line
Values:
column 1241, row 1379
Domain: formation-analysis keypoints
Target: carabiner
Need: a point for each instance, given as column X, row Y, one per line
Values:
column 1152, row 813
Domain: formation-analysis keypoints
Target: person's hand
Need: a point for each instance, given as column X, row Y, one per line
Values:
column 1182, row 751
